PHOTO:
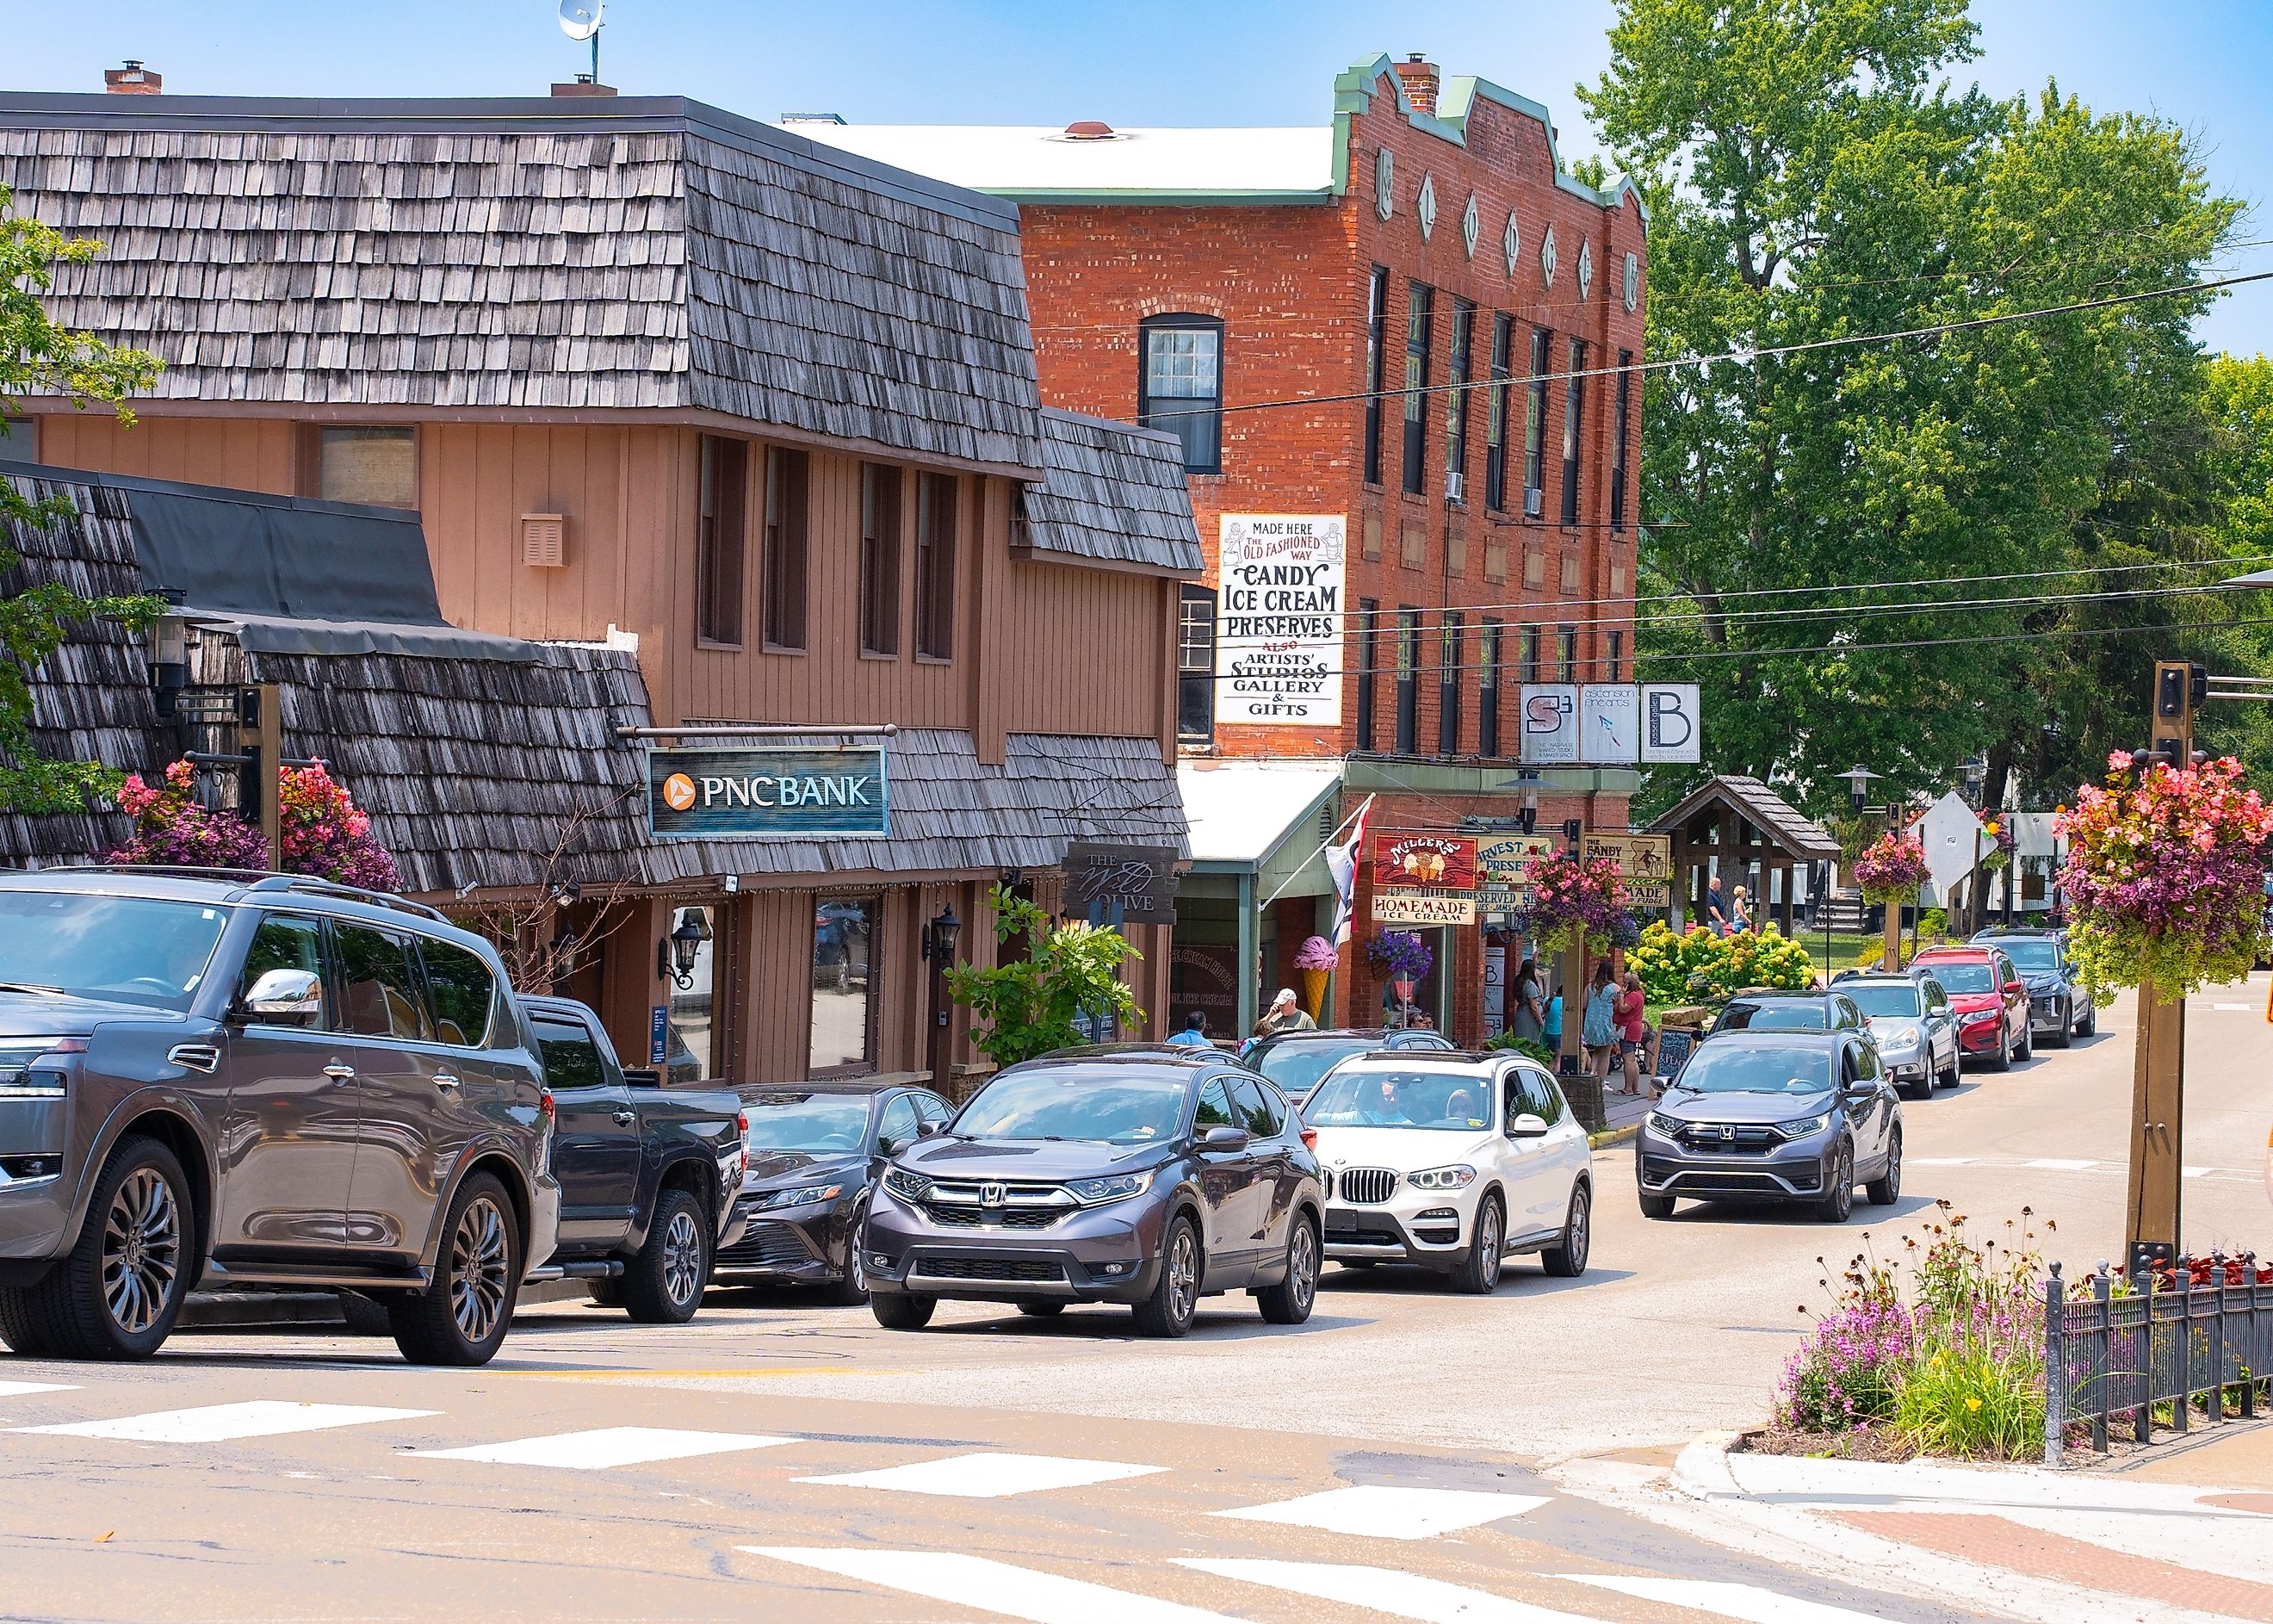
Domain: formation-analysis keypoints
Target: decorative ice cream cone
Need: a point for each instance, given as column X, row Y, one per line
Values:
column 1314, row 992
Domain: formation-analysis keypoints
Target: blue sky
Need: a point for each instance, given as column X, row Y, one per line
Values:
column 2198, row 62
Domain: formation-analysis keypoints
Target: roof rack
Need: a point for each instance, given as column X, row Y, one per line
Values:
column 314, row 886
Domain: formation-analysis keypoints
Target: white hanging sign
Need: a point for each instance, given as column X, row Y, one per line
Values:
column 1550, row 724
column 1672, row 722
column 1279, row 621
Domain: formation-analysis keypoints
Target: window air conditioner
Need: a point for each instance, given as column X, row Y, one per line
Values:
column 1534, row 502
column 1455, row 487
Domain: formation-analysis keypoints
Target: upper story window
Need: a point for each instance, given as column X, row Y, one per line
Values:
column 880, row 487
column 1180, row 388
column 1614, row 656
column 1376, row 344
column 1566, row 654
column 1456, row 399
column 1621, row 423
column 935, row 517
column 1369, row 668
column 378, row 467
column 1196, row 664
column 1503, row 344
column 722, row 512
column 1488, row 655
column 1408, row 680
column 1531, row 667
column 788, row 549
column 1419, row 325
column 1534, row 425
column 1449, row 634
column 1574, row 409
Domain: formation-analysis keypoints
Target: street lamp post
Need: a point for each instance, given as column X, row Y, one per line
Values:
column 1859, row 779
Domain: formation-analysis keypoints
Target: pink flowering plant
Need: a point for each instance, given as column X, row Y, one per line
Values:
column 2165, row 877
column 1576, row 899
column 1891, row 869
column 322, row 831
column 1317, row 953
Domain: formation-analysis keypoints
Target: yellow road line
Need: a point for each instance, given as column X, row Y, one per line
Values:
column 637, row 1375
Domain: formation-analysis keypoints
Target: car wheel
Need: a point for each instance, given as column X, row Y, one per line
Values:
column 118, row 1292
column 1041, row 1308
column 2003, row 1059
column 1838, row 1200
column 664, row 1284
column 1656, row 1206
column 1478, row 1275
column 2027, row 1049
column 1288, row 1303
column 1566, row 1260
column 901, row 1310
column 1887, row 1189
column 606, row 1293
column 851, row 1289
column 1955, row 1075
column 1175, row 1297
column 2090, row 1028
column 462, row 1317
column 2063, row 1034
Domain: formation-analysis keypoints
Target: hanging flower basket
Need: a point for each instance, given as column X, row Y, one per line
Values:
column 1577, row 900
column 2165, row 877
column 1399, row 956
column 1891, row 869
column 320, row 830
column 2003, row 842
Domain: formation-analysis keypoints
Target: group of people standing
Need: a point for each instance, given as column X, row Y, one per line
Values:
column 1612, row 1028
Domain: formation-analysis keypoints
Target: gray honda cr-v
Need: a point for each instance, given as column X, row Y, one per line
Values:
column 1147, row 1175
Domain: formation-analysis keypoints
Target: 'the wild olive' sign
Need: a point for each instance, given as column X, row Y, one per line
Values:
column 1140, row 879
column 796, row 792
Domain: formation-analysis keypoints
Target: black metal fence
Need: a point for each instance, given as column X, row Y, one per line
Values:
column 2117, row 1353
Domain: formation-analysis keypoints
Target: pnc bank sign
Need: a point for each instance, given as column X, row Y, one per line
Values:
column 797, row 793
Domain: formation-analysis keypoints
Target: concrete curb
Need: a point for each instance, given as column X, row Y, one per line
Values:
column 1609, row 1137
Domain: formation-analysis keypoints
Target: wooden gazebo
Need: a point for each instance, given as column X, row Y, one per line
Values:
column 1741, row 826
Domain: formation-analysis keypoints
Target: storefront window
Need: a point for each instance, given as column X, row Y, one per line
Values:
column 844, row 987
column 692, row 1054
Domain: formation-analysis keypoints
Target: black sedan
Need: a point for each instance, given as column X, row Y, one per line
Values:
column 1296, row 1061
column 2058, row 1006
column 816, row 1150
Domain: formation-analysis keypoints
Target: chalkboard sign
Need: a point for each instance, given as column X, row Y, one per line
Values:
column 1673, row 1049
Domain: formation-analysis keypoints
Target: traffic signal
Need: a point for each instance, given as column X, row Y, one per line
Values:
column 2172, row 689
column 2197, row 685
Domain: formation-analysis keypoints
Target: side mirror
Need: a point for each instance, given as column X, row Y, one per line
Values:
column 1223, row 1139
column 2016, row 986
column 930, row 1130
column 1528, row 1126
column 293, row 996
column 643, row 1077
column 887, row 1146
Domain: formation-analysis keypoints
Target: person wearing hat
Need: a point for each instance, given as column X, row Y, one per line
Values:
column 1285, row 1014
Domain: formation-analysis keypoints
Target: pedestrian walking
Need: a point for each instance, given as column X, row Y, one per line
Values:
column 1194, row 1034
column 1285, row 1014
column 1598, row 1026
column 1633, row 1033
column 1716, row 908
column 1551, row 1031
column 1740, row 913
column 1528, row 1016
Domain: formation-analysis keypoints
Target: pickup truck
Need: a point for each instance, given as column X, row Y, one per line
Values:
column 648, row 1177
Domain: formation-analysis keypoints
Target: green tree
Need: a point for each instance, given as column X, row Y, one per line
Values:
column 40, row 356
column 1029, row 1005
column 1812, row 176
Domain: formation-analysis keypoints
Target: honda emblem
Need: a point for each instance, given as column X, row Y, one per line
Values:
column 1728, row 1131
column 994, row 1195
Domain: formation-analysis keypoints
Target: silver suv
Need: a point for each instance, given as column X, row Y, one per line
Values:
column 228, row 1077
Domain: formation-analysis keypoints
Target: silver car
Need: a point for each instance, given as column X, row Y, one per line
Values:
column 1911, row 1016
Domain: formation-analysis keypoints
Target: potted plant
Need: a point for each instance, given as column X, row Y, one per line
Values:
column 1401, row 958
column 1577, row 900
column 1314, row 962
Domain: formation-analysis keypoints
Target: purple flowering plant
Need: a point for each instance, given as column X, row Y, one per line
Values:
column 1891, row 869
column 1399, row 955
column 321, row 831
column 1576, row 899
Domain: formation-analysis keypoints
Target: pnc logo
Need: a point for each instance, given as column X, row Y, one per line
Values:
column 679, row 792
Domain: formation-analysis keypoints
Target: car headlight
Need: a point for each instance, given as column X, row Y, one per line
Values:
column 1118, row 1187
column 1901, row 1036
column 1442, row 1177
column 1981, row 1018
column 1670, row 1127
column 803, row 1195
column 1800, row 1127
column 910, row 1186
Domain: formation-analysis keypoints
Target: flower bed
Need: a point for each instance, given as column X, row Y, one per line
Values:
column 1694, row 965
column 320, row 830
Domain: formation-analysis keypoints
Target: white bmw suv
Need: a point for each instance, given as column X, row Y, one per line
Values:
column 1452, row 1161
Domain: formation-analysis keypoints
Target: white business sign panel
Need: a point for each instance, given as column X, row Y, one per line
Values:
column 1610, row 724
column 1672, row 722
column 1279, row 621
column 1550, row 724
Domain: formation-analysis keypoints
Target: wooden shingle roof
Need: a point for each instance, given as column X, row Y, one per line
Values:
column 1114, row 494
column 1787, row 828
column 651, row 254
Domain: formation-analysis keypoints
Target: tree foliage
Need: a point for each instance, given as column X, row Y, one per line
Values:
column 1030, row 1005
column 40, row 356
column 1812, row 177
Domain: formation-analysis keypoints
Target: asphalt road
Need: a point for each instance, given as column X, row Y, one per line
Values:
column 1055, row 1470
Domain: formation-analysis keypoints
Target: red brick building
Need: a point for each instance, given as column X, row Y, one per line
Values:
column 1217, row 282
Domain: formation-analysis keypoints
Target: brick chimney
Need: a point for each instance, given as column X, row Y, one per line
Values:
column 1419, row 75
column 134, row 80
column 584, row 85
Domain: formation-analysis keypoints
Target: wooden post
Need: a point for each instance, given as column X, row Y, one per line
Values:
column 1890, row 961
column 2157, row 1128
column 260, row 737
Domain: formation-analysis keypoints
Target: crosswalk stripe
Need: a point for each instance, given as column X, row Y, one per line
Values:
column 987, row 1586
column 1385, row 1511
column 604, row 1447
column 2059, row 1164
column 1748, row 1602
column 989, row 1474
column 18, row 1389
column 214, row 1423
column 1383, row 1590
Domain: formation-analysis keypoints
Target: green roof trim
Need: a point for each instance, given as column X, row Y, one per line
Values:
column 1151, row 197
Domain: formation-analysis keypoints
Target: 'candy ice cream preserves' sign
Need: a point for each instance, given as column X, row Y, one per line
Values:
column 1279, row 621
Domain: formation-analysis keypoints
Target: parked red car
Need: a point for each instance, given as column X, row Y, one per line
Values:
column 1990, row 1000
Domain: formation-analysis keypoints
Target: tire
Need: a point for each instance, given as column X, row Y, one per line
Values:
column 2027, row 1049
column 462, row 1317
column 1566, row 1260
column 1955, row 1075
column 2004, row 1060
column 850, row 1289
column 2064, row 1034
column 1887, row 1189
column 1478, row 1275
column 118, row 1292
column 1175, row 1297
column 1355, row 1263
column 606, row 1293
column 1838, row 1202
column 1041, row 1308
column 662, row 1285
column 898, row 1311
column 1289, row 1302
column 2090, row 1028
column 1656, row 1206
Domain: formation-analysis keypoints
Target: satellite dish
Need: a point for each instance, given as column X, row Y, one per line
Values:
column 580, row 19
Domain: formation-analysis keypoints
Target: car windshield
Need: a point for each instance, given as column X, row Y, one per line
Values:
column 1955, row 975
column 2030, row 952
column 1774, row 1018
column 1092, row 1102
column 1297, row 1067
column 1375, row 1097
column 126, row 950
column 813, row 1122
column 1887, row 998
column 1731, row 1068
